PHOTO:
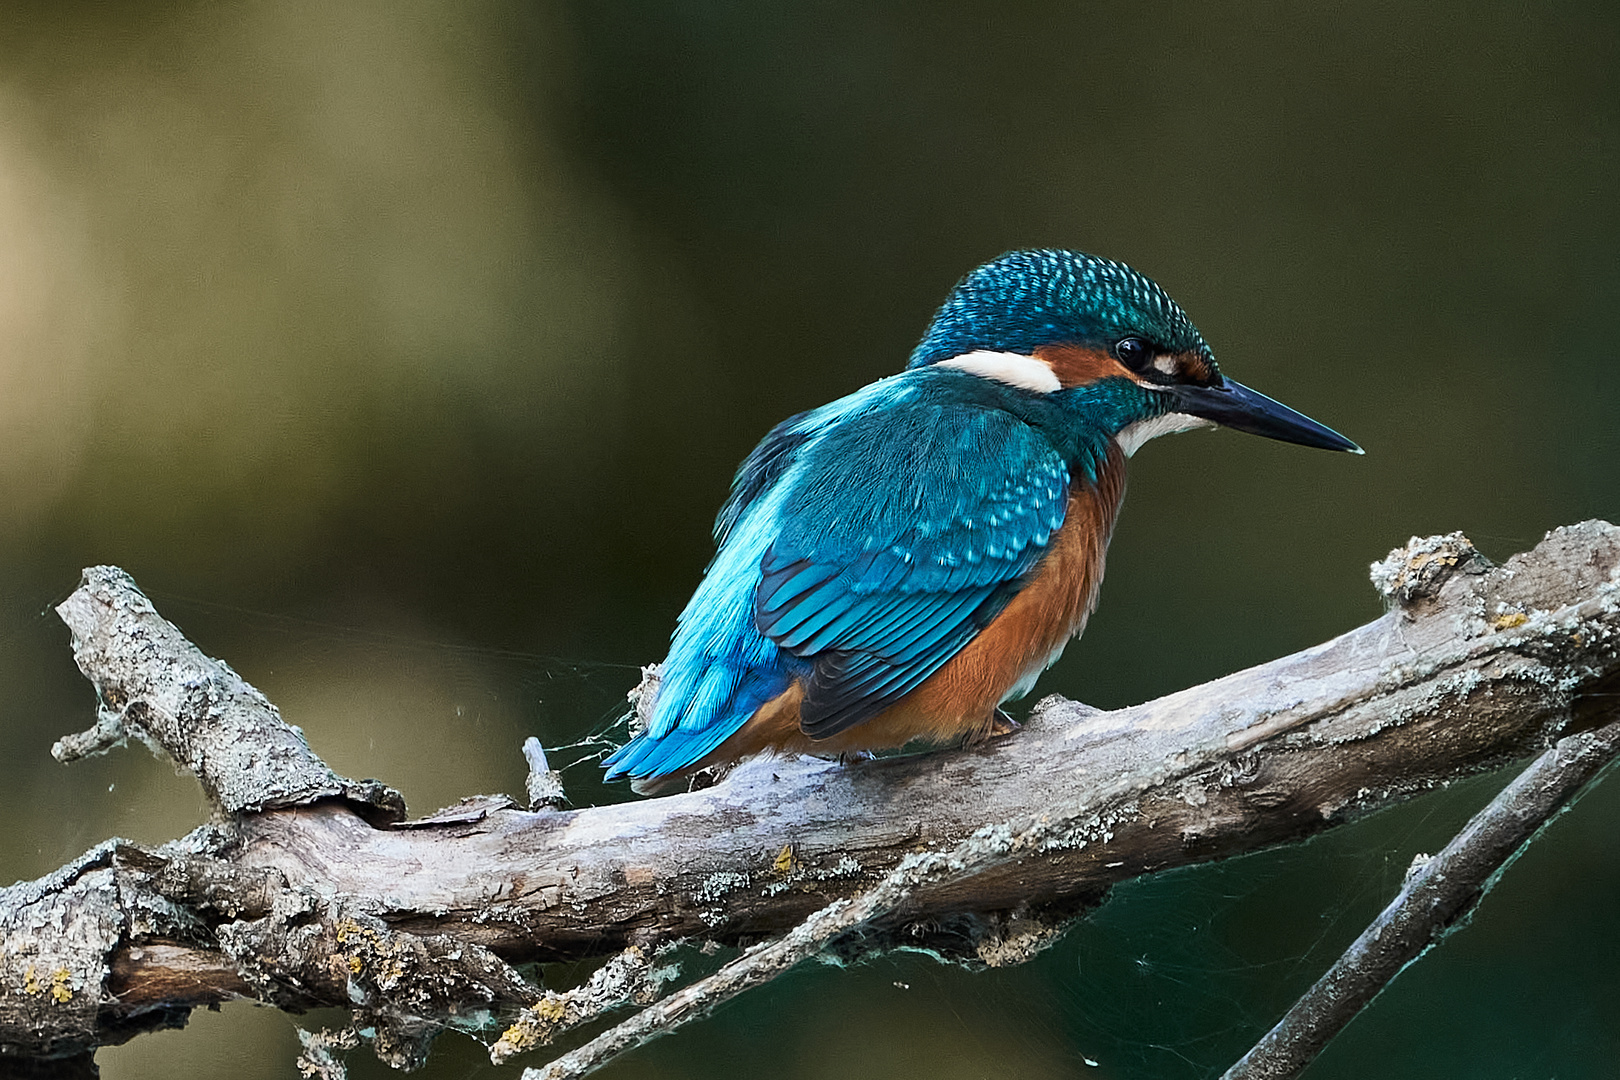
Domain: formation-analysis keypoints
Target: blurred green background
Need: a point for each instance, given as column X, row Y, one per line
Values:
column 403, row 353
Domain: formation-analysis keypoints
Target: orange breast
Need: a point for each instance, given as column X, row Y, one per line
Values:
column 960, row 699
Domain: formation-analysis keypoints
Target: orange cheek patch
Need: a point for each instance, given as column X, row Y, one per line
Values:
column 1077, row 366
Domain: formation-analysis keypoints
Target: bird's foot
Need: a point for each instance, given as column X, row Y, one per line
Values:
column 1001, row 724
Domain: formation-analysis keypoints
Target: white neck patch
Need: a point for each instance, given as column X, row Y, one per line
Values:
column 1134, row 435
column 1014, row 369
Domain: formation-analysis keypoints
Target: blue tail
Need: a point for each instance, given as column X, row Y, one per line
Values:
column 698, row 708
column 719, row 671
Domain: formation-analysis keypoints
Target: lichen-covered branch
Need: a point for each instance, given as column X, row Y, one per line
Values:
column 154, row 684
column 1437, row 897
column 307, row 890
column 629, row 977
column 991, row 846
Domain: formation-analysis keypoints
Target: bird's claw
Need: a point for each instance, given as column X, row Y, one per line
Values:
column 1001, row 724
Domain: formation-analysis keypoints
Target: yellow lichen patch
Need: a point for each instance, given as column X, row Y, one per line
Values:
column 785, row 862
column 356, row 965
column 533, row 1028
column 1509, row 620
column 514, row 1040
column 31, row 983
column 61, row 986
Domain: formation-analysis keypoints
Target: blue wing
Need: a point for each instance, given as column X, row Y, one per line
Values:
column 903, row 535
column 720, row 669
column 761, row 469
column 864, row 544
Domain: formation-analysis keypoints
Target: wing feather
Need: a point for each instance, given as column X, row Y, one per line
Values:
column 903, row 535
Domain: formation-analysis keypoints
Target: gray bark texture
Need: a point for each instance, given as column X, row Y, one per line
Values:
column 1439, row 894
column 309, row 889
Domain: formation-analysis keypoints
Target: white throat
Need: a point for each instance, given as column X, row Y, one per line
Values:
column 1134, row 435
column 1014, row 369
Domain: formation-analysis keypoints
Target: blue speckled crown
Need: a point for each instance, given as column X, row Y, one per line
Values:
column 1027, row 299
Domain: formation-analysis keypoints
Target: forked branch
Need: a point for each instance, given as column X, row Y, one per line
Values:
column 308, row 889
column 1439, row 894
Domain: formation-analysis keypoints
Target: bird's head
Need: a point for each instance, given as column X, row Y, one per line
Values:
column 1050, row 320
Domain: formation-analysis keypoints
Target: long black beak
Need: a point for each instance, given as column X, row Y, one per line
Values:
column 1234, row 405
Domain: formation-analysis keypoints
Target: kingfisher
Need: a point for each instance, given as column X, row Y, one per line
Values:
column 895, row 566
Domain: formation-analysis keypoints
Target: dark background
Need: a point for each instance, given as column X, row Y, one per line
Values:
column 403, row 353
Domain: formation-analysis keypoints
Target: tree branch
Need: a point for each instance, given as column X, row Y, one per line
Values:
column 154, row 684
column 1439, row 894
column 308, row 891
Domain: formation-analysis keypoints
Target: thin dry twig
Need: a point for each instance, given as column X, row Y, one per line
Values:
column 1437, row 898
column 630, row 976
column 763, row 963
column 1439, row 895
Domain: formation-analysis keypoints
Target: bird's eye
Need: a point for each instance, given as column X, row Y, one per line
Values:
column 1133, row 352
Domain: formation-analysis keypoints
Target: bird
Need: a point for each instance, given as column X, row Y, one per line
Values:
column 894, row 567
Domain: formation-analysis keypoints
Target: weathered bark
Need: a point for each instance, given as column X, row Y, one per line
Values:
column 1439, row 894
column 154, row 684
column 305, row 892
